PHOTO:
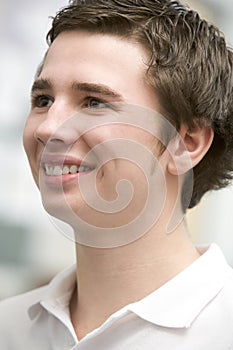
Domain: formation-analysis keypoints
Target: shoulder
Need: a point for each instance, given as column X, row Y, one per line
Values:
column 23, row 318
column 19, row 306
column 223, row 273
column 15, row 321
column 225, row 297
column 14, row 310
column 218, row 314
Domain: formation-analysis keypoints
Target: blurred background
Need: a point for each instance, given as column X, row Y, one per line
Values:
column 31, row 248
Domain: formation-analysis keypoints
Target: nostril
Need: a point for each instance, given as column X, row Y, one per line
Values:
column 53, row 131
column 45, row 134
column 55, row 145
column 40, row 140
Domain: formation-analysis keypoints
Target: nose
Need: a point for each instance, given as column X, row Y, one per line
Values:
column 57, row 128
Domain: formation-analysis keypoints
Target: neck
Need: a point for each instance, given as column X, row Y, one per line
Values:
column 109, row 279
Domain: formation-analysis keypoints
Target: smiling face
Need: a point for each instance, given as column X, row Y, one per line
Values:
column 74, row 134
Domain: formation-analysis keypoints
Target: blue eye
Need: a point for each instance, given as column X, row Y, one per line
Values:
column 95, row 103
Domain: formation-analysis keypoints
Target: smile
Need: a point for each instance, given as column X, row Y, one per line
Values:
column 58, row 170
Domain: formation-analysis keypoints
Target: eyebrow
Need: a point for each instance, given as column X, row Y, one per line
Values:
column 101, row 89
column 41, row 84
column 97, row 89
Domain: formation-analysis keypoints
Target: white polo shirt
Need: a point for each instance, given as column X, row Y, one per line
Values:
column 193, row 311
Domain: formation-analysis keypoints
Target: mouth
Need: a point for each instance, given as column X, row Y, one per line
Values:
column 64, row 167
column 58, row 170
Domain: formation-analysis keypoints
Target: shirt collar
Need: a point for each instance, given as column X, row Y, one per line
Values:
column 179, row 302
column 57, row 294
column 175, row 305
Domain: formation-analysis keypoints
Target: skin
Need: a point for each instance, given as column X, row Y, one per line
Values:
column 108, row 279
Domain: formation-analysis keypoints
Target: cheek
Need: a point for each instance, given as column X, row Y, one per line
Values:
column 31, row 149
column 28, row 137
column 98, row 135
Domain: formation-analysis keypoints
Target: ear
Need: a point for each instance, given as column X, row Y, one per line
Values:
column 188, row 148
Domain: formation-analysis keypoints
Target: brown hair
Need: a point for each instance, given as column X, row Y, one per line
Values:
column 190, row 68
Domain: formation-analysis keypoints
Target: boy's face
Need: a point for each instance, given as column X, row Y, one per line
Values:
column 86, row 82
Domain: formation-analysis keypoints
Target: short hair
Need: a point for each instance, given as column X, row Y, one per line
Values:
column 190, row 69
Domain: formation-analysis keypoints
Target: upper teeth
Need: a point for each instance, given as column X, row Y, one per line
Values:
column 58, row 170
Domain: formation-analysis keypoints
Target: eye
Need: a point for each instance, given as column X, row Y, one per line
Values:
column 42, row 101
column 96, row 103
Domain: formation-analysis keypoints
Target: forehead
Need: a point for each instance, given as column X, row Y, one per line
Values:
column 95, row 51
column 109, row 60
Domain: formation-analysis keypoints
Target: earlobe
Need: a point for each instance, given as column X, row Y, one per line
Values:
column 188, row 148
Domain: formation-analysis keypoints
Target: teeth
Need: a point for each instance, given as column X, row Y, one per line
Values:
column 65, row 170
column 82, row 168
column 73, row 169
column 48, row 170
column 58, row 170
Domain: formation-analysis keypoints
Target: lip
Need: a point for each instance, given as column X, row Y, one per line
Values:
column 60, row 160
